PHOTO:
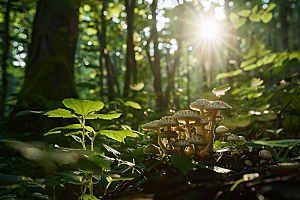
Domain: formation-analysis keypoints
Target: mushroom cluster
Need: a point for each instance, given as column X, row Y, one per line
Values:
column 177, row 135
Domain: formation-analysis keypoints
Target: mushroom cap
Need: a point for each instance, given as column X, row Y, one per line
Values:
column 241, row 138
column 217, row 105
column 233, row 137
column 199, row 104
column 248, row 163
column 169, row 134
column 154, row 126
column 168, row 121
column 179, row 128
column 151, row 149
column 201, row 122
column 181, row 143
column 197, row 139
column 265, row 154
column 221, row 129
column 186, row 115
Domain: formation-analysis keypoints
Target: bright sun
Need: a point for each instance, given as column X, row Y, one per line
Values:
column 209, row 29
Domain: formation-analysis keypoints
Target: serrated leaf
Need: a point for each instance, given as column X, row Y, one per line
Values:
column 247, row 62
column 271, row 6
column 250, row 67
column 132, row 104
column 104, row 116
column 96, row 159
column 183, row 162
column 255, row 17
column 109, row 149
column 240, row 23
column 267, row 17
column 60, row 113
column 234, row 18
column 244, row 13
column 83, row 107
column 254, row 9
column 72, row 126
column 118, row 135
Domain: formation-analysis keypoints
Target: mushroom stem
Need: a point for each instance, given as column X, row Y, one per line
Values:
column 160, row 142
column 190, row 150
column 210, row 145
column 187, row 124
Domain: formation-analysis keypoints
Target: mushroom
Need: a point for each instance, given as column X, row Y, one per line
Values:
column 248, row 163
column 199, row 124
column 151, row 149
column 214, row 107
column 168, row 121
column 199, row 105
column 233, row 139
column 169, row 135
column 265, row 154
column 181, row 130
column 196, row 140
column 235, row 152
column 221, row 130
column 187, row 116
column 182, row 143
column 154, row 126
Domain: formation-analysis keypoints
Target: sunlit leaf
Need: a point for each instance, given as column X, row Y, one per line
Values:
column 137, row 86
column 83, row 107
column 267, row 17
column 244, row 13
column 250, row 67
column 118, row 135
column 60, row 113
column 254, row 9
column 270, row 58
column 72, row 126
column 295, row 55
column 247, row 62
column 104, row 116
column 271, row 6
column 234, row 18
column 183, row 162
column 91, row 31
column 221, row 90
column 263, row 53
column 240, row 23
column 132, row 104
column 276, row 143
column 255, row 17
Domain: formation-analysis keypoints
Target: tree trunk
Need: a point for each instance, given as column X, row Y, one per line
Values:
column 130, row 57
column 4, row 58
column 284, row 8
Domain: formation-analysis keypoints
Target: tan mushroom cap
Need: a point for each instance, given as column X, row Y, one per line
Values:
column 201, row 122
column 199, row 104
column 151, row 126
column 221, row 129
column 197, row 140
column 181, row 143
column 217, row 105
column 265, row 154
column 248, row 163
column 169, row 134
column 184, row 115
column 233, row 137
column 151, row 149
column 179, row 128
column 168, row 121
column 242, row 138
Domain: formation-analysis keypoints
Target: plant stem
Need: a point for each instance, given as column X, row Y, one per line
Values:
column 279, row 152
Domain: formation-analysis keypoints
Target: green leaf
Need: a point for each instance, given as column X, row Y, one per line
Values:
column 183, row 162
column 295, row 55
column 234, row 18
column 264, row 53
column 250, row 54
column 229, row 74
column 104, row 116
column 270, row 7
column 270, row 58
column 83, row 107
column 240, row 23
column 132, row 104
column 276, row 143
column 27, row 112
column 60, row 113
column 137, row 152
column 72, row 126
column 88, row 197
column 96, row 159
column 255, row 17
column 267, row 17
column 91, row 31
column 85, row 85
column 247, row 62
column 260, row 62
column 254, row 9
column 119, row 135
column 250, row 67
column 244, row 13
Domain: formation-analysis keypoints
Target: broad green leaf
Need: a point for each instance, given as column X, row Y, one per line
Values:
column 83, row 107
column 244, row 13
column 294, row 55
column 267, row 17
column 88, row 197
column 250, row 67
column 234, row 18
column 91, row 31
column 118, row 135
column 255, row 17
column 132, row 104
column 265, row 52
column 240, row 23
column 137, row 152
column 229, row 74
column 277, row 143
column 270, row 58
column 27, row 112
column 222, row 75
column 72, row 126
column 247, row 62
column 60, row 113
column 86, row 85
column 260, row 62
column 271, row 6
column 254, row 9
column 183, row 162
column 96, row 159
column 250, row 54
column 103, row 116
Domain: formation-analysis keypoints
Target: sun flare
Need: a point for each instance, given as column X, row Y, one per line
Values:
column 209, row 29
